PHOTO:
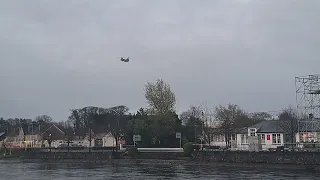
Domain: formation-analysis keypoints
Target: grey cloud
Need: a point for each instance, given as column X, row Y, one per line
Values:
column 58, row 55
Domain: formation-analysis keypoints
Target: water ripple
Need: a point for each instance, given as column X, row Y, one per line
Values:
column 142, row 169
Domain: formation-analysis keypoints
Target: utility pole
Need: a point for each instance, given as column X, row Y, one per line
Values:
column 32, row 134
column 90, row 139
column 202, row 139
column 90, row 131
column 292, row 134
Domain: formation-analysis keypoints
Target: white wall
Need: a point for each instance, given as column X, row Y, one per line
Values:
column 83, row 142
column 109, row 141
column 265, row 146
column 218, row 140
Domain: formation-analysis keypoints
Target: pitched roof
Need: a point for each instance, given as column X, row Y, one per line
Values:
column 267, row 126
column 40, row 129
column 55, row 133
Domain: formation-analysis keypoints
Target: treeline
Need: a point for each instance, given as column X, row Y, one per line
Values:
column 158, row 123
column 11, row 125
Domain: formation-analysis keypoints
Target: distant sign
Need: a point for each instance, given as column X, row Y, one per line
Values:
column 136, row 138
column 178, row 135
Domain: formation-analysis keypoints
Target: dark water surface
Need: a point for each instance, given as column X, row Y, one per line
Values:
column 142, row 169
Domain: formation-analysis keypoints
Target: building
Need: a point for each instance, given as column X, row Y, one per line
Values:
column 99, row 138
column 104, row 140
column 15, row 138
column 267, row 133
column 35, row 137
column 309, row 133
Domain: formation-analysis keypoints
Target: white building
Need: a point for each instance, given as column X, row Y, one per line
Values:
column 105, row 140
column 97, row 140
column 268, row 132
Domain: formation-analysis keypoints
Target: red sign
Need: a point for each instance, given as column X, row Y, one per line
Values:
column 268, row 137
column 122, row 142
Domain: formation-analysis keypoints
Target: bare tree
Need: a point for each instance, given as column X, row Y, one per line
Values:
column 160, row 97
column 208, row 124
column 194, row 111
column 114, row 120
column 44, row 119
column 288, row 122
column 227, row 116
column 193, row 123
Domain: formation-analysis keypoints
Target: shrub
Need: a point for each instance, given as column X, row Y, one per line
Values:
column 132, row 152
column 188, row 148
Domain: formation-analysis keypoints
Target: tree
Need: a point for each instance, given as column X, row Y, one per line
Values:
column 288, row 122
column 3, row 125
column 114, row 120
column 194, row 112
column 160, row 97
column 43, row 119
column 69, row 134
column 230, row 118
column 193, row 123
column 141, row 114
column 82, row 119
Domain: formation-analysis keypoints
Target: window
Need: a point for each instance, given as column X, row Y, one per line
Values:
column 262, row 137
column 252, row 132
column 222, row 138
column 233, row 137
column 244, row 139
column 276, row 139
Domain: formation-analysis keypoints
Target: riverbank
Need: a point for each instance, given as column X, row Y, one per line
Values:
column 280, row 159
column 183, row 161
column 9, row 154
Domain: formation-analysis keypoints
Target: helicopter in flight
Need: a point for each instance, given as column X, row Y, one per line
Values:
column 125, row 59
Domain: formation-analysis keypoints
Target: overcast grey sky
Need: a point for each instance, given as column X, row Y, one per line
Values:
column 58, row 55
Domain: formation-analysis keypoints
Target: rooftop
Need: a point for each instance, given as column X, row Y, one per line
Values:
column 267, row 126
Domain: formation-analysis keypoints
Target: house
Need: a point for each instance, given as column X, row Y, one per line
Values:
column 266, row 134
column 15, row 138
column 105, row 140
column 37, row 136
column 53, row 133
column 99, row 138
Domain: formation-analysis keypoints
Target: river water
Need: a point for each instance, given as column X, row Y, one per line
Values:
column 143, row 169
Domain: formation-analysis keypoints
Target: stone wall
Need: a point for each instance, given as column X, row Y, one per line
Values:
column 65, row 155
column 305, row 158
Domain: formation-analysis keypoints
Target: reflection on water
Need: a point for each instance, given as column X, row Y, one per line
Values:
column 141, row 169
